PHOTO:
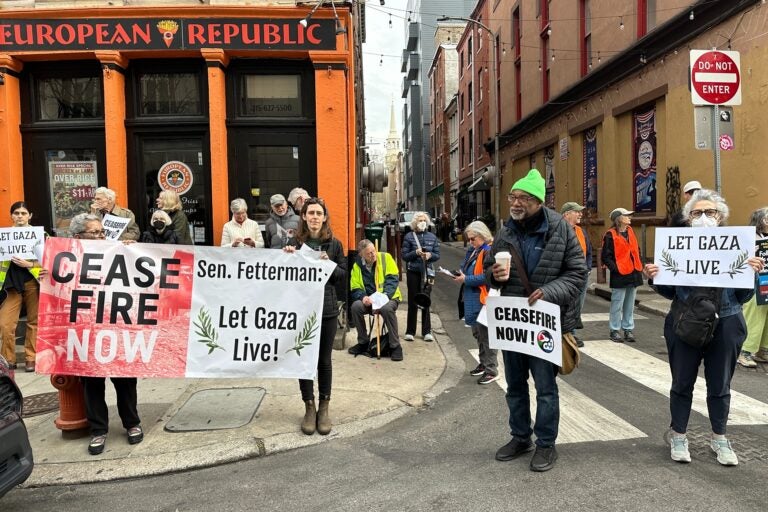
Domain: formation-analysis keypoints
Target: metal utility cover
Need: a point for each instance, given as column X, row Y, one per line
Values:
column 216, row 409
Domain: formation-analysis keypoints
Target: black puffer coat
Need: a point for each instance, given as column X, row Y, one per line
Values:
column 608, row 257
column 561, row 272
column 335, row 253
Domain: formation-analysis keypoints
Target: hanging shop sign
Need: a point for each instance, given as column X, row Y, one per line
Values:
column 18, row 35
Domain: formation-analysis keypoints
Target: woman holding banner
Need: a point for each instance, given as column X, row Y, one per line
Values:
column 755, row 349
column 706, row 209
column 315, row 231
column 87, row 226
column 19, row 281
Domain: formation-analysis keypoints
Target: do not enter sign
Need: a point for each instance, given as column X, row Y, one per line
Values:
column 715, row 78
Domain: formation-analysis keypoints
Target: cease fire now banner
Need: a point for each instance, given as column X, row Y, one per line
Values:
column 147, row 310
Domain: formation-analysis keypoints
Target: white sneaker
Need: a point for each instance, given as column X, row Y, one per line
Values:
column 725, row 454
column 428, row 337
column 409, row 337
column 678, row 447
column 746, row 360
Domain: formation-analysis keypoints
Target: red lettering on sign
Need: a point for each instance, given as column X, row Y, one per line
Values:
column 195, row 34
column 65, row 34
column 256, row 39
column 230, row 31
column 120, row 35
column 19, row 36
column 214, row 34
column 44, row 33
column 141, row 34
column 101, row 33
column 311, row 34
column 287, row 34
column 271, row 35
column 83, row 32
column 4, row 33
column 300, row 35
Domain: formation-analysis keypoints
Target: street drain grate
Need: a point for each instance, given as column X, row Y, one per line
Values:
column 748, row 448
column 35, row 405
column 215, row 409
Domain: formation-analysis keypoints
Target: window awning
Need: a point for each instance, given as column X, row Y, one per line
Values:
column 478, row 185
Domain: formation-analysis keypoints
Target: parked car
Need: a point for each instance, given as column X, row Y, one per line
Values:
column 15, row 452
column 404, row 222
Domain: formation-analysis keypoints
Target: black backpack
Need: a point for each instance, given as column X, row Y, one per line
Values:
column 384, row 349
column 695, row 319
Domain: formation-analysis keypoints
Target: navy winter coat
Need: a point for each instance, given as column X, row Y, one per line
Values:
column 472, row 283
column 429, row 243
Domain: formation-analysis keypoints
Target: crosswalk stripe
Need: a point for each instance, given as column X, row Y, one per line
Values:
column 604, row 317
column 581, row 418
column 653, row 373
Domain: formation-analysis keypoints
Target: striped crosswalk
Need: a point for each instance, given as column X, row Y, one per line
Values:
column 583, row 419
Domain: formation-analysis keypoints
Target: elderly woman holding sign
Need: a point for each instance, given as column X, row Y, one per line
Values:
column 88, row 227
column 18, row 278
column 315, row 232
column 703, row 324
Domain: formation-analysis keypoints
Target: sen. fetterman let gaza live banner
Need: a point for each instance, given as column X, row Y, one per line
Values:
column 147, row 310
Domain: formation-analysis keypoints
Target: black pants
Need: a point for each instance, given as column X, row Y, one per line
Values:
column 324, row 367
column 96, row 407
column 415, row 281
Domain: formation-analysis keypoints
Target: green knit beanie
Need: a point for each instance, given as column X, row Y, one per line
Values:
column 533, row 183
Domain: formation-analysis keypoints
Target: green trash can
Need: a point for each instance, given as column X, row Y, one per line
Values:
column 374, row 231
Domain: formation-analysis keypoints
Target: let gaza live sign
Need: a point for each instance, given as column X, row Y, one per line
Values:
column 715, row 77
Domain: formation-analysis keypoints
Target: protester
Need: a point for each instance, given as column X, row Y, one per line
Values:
column 755, row 349
column 104, row 203
column 445, row 227
column 88, row 227
column 315, row 231
column 296, row 198
column 19, row 281
column 705, row 209
column 374, row 272
column 170, row 203
column 282, row 223
column 475, row 291
column 241, row 231
column 572, row 213
column 420, row 249
column 554, row 263
column 621, row 255
column 678, row 220
column 160, row 231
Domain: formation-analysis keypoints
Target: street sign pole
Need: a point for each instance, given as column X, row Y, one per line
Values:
column 716, row 144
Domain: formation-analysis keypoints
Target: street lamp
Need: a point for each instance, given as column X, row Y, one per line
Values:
column 495, row 105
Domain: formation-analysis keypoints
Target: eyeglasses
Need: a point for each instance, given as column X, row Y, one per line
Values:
column 94, row 234
column 709, row 212
column 523, row 198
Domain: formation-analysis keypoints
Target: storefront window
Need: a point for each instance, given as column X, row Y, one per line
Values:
column 169, row 94
column 69, row 98
column 72, row 174
column 272, row 96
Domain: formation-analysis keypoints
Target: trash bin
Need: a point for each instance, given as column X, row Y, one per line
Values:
column 374, row 231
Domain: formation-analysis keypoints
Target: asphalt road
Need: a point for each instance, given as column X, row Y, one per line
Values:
column 442, row 457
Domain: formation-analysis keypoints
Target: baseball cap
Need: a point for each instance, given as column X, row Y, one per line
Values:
column 691, row 186
column 620, row 211
column 571, row 206
column 277, row 199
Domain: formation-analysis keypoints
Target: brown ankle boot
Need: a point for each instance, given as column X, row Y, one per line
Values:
column 323, row 418
column 310, row 418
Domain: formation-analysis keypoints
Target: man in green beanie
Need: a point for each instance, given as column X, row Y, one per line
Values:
column 551, row 257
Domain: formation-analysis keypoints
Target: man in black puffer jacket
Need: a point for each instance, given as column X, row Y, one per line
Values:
column 554, row 263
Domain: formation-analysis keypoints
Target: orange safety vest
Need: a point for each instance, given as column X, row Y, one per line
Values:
column 626, row 252
column 478, row 270
column 582, row 241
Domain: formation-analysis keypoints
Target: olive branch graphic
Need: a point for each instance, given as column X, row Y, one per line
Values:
column 306, row 334
column 738, row 266
column 669, row 263
column 208, row 334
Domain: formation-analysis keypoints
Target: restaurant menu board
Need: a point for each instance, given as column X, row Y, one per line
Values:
column 72, row 187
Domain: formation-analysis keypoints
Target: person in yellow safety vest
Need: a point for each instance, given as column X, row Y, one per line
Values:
column 19, row 281
column 374, row 272
column 572, row 213
column 621, row 254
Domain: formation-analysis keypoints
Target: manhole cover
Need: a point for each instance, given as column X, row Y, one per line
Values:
column 40, row 404
column 215, row 409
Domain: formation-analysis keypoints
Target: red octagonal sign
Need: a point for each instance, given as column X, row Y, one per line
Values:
column 715, row 78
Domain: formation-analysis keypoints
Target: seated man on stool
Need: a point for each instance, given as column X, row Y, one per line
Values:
column 369, row 270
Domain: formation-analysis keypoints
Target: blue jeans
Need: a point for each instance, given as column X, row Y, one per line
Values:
column 622, row 308
column 516, row 369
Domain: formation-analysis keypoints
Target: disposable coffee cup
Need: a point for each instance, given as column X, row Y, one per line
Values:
column 504, row 258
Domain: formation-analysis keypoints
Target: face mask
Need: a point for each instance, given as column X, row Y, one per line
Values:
column 704, row 222
column 158, row 225
column 421, row 226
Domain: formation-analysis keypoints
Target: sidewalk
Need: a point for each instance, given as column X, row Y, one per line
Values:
column 367, row 394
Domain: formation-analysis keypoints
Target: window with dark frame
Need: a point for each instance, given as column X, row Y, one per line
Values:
column 68, row 98
column 169, row 94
